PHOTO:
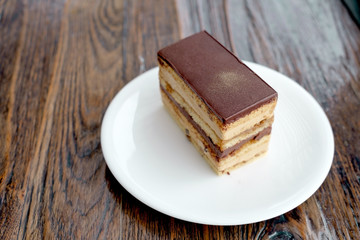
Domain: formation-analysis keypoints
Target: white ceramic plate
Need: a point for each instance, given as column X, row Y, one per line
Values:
column 153, row 160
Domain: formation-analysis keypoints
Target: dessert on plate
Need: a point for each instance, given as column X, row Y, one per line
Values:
column 223, row 107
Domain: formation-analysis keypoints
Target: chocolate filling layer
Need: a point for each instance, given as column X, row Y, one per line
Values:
column 219, row 154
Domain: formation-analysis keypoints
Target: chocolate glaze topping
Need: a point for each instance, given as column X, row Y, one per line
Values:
column 226, row 85
column 216, row 150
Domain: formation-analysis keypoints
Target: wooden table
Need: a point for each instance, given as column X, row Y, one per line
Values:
column 62, row 62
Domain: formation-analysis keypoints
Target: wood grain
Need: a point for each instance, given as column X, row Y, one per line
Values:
column 62, row 62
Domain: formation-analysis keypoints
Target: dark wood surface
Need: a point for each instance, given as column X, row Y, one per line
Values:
column 62, row 62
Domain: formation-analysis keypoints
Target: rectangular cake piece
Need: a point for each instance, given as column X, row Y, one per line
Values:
column 223, row 107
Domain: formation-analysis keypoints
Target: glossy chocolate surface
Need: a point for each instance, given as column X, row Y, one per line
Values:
column 227, row 86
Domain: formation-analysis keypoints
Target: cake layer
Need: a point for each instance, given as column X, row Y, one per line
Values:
column 219, row 153
column 247, row 153
column 222, row 144
column 228, row 88
column 222, row 135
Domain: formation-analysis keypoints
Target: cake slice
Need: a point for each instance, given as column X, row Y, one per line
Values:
column 223, row 107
